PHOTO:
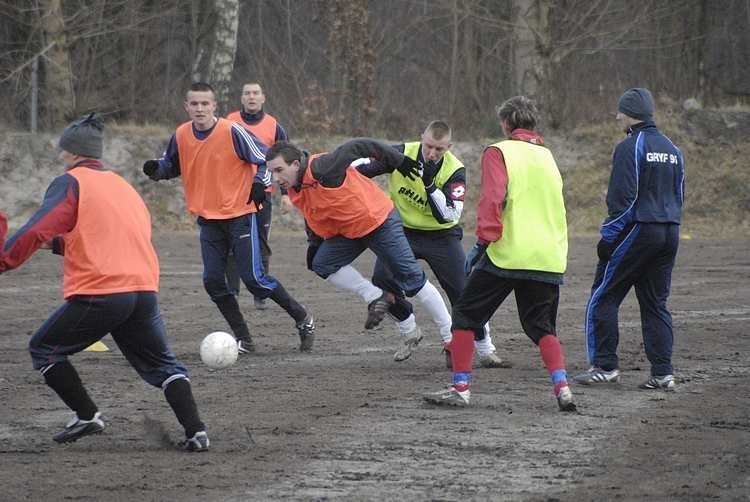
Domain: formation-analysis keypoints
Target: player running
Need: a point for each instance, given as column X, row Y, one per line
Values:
column 102, row 227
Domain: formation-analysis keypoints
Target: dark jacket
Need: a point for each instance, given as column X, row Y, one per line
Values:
column 647, row 183
column 330, row 168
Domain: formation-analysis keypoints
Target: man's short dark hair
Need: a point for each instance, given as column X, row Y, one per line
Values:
column 519, row 112
column 284, row 149
column 201, row 87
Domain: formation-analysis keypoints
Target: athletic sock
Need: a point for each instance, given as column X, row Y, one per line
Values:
column 289, row 304
column 180, row 398
column 230, row 309
column 552, row 355
column 63, row 378
column 348, row 278
column 433, row 302
column 485, row 345
column 461, row 348
column 461, row 381
column 407, row 325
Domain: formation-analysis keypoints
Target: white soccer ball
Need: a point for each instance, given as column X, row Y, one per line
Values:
column 219, row 350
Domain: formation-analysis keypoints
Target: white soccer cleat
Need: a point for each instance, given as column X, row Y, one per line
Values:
column 409, row 342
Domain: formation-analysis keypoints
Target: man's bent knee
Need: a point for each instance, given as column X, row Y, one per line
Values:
column 323, row 270
column 414, row 285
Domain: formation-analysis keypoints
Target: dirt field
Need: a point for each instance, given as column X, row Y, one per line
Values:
column 347, row 423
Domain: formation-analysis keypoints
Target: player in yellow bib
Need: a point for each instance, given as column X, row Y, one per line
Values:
column 430, row 207
column 522, row 248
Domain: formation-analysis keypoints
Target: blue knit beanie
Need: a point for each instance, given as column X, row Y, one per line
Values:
column 637, row 103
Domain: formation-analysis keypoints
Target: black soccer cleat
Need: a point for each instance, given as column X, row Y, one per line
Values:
column 199, row 442
column 246, row 346
column 77, row 428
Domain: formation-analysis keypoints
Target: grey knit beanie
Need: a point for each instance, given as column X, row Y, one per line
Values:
column 84, row 136
column 637, row 103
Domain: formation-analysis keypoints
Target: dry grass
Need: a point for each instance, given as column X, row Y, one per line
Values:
column 142, row 130
column 717, row 199
column 717, row 202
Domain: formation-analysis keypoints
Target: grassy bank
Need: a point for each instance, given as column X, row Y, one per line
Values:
column 717, row 200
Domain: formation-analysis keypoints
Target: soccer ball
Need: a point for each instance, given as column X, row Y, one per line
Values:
column 219, row 350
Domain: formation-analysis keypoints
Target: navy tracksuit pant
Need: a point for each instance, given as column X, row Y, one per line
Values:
column 264, row 229
column 240, row 236
column 442, row 251
column 644, row 259
column 133, row 319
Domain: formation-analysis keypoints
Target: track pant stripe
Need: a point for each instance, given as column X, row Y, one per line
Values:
column 257, row 265
column 609, row 272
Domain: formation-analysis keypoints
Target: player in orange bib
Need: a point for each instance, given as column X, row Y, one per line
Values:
column 223, row 171
column 350, row 213
column 101, row 226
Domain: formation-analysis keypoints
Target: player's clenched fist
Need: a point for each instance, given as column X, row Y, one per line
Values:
column 150, row 167
column 257, row 194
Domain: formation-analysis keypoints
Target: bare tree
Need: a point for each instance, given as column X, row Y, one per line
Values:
column 527, row 18
column 221, row 60
column 359, row 66
column 353, row 61
column 58, row 74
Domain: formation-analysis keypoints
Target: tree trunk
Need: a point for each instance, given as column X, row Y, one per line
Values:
column 522, row 48
column 58, row 96
column 221, row 62
column 532, row 52
column 352, row 61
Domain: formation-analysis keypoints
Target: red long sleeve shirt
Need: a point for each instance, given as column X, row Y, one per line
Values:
column 494, row 188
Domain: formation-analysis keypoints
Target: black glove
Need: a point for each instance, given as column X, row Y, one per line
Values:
column 473, row 257
column 605, row 249
column 257, row 194
column 312, row 250
column 429, row 170
column 409, row 168
column 150, row 167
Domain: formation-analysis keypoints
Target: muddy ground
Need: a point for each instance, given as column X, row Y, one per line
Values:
column 347, row 423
